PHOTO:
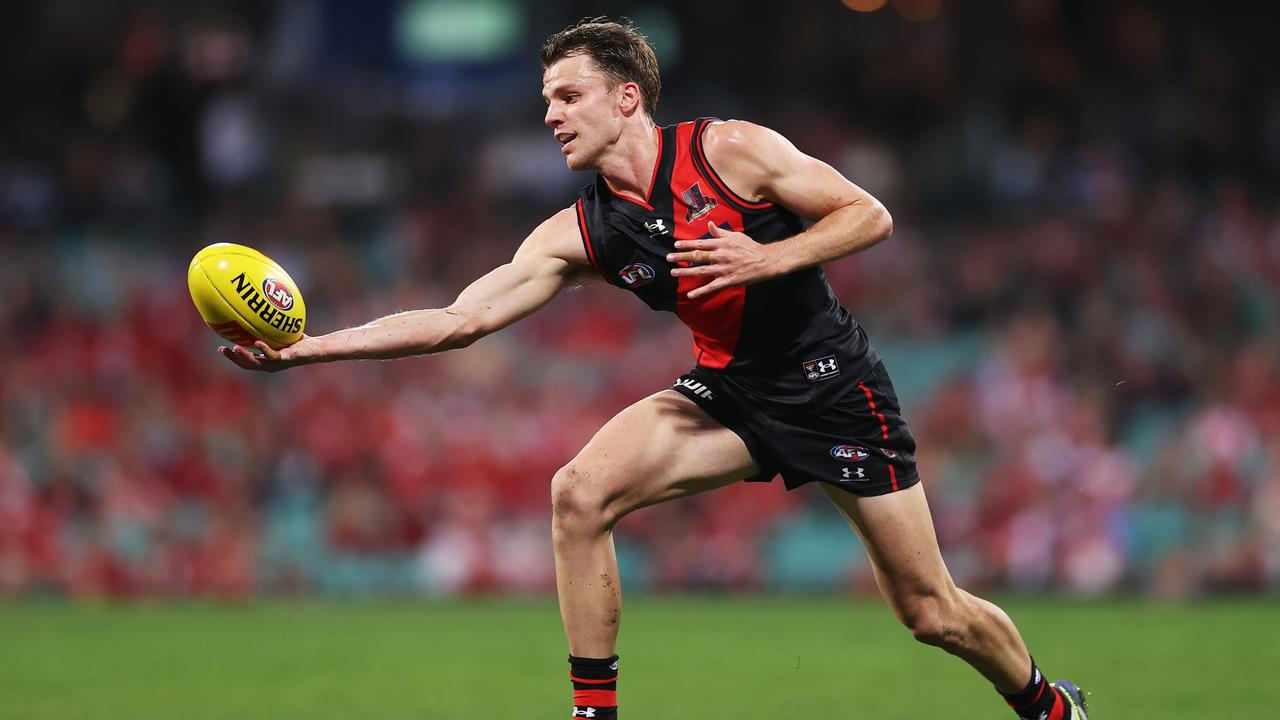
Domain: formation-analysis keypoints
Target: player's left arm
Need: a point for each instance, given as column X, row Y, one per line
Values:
column 760, row 164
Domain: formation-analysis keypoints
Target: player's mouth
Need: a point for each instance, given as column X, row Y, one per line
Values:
column 565, row 138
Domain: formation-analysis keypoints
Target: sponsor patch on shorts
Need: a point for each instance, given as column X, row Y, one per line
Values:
column 849, row 453
column 821, row 368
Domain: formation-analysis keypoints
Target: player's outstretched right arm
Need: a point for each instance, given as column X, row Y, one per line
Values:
column 548, row 260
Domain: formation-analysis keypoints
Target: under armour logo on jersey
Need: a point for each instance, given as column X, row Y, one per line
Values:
column 698, row 203
column 821, row 368
column 657, row 227
column 584, row 712
column 855, row 473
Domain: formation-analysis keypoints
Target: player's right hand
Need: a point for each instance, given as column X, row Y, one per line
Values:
column 267, row 359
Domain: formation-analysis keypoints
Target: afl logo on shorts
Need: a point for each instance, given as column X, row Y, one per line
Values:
column 849, row 453
column 277, row 294
column 636, row 274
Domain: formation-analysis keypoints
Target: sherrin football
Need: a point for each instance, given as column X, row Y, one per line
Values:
column 244, row 295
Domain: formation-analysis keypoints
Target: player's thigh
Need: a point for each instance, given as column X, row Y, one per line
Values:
column 661, row 448
column 897, row 530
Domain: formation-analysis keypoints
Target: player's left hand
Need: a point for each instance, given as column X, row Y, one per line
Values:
column 729, row 258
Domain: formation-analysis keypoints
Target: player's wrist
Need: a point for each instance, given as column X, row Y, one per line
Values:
column 783, row 257
column 306, row 351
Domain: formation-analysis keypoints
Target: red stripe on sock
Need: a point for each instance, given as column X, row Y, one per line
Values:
column 575, row 678
column 1043, row 685
column 595, row 698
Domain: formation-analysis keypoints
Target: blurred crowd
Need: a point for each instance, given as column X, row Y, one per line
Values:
column 1078, row 306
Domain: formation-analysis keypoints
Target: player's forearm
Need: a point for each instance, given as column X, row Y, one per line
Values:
column 499, row 298
column 417, row 332
column 850, row 229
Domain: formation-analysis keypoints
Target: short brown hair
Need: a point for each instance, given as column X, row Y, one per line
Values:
column 617, row 48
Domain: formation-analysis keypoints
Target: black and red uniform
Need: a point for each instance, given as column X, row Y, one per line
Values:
column 780, row 362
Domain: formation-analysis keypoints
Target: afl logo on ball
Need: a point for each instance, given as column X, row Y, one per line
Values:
column 277, row 293
column 849, row 453
column 636, row 274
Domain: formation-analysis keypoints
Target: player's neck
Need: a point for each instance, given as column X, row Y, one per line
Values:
column 628, row 169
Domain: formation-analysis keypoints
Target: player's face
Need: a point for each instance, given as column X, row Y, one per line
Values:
column 582, row 111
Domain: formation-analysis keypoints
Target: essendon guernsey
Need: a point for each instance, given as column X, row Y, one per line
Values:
column 787, row 341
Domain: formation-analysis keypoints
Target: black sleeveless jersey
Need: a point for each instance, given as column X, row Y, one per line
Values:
column 786, row 342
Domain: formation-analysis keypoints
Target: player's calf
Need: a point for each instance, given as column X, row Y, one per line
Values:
column 973, row 629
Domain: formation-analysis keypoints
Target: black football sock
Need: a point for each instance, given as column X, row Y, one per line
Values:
column 1038, row 701
column 595, row 687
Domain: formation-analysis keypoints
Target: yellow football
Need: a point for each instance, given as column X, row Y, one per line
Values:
column 244, row 295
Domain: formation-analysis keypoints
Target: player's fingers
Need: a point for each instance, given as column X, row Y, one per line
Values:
column 249, row 356
column 692, row 256
column 690, row 244
column 695, row 270
column 707, row 289
column 237, row 355
column 702, row 244
column 266, row 350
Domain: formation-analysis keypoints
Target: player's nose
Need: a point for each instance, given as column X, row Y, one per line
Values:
column 554, row 116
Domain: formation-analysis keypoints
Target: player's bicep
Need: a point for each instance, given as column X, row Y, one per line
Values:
column 811, row 188
column 767, row 166
column 545, row 263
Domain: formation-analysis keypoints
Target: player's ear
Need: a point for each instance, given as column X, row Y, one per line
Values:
column 629, row 98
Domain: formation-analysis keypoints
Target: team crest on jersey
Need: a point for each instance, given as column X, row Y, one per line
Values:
column 636, row 274
column 698, row 203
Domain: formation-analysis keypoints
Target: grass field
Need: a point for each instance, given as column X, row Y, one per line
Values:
column 714, row 657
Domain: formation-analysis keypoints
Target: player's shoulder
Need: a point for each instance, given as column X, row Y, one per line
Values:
column 739, row 138
column 746, row 156
column 745, row 151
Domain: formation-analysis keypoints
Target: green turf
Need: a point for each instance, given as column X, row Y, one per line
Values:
column 716, row 657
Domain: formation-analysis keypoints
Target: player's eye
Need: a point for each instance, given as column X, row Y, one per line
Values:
column 570, row 98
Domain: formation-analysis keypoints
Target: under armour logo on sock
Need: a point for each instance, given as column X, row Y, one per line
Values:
column 591, row 712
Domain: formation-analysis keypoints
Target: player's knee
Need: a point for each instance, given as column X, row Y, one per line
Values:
column 923, row 617
column 579, row 502
column 933, row 620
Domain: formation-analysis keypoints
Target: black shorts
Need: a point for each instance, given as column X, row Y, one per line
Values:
column 860, row 444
